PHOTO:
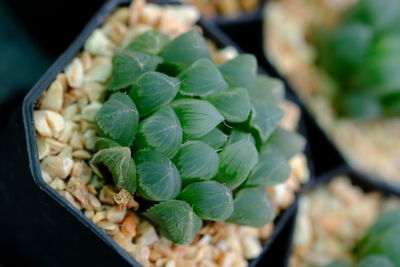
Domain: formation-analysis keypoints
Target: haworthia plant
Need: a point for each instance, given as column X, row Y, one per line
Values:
column 236, row 162
column 176, row 220
column 361, row 54
column 158, row 178
column 152, row 90
column 194, row 140
column 203, row 196
column 185, row 49
column 215, row 138
column 128, row 66
column 118, row 162
column 238, row 135
column 202, row 78
column 196, row 161
column 258, row 214
column 241, row 72
column 380, row 244
column 197, row 117
column 151, row 42
column 233, row 104
column 161, row 131
column 118, row 119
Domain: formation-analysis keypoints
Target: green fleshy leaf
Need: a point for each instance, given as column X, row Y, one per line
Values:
column 103, row 143
column 378, row 75
column 271, row 169
column 387, row 243
column 118, row 162
column 287, row 142
column 237, row 135
column 151, row 42
column 233, row 104
column 185, row 49
column 158, row 178
column 360, row 106
column 202, row 78
column 197, row 117
column 210, row 200
column 265, row 117
column 240, row 72
column 153, row 90
column 118, row 119
column 381, row 14
column 252, row 207
column 268, row 89
column 215, row 138
column 128, row 66
column 391, row 104
column 161, row 132
column 346, row 49
column 236, row 162
column 196, row 161
column 387, row 220
column 376, row 261
column 175, row 220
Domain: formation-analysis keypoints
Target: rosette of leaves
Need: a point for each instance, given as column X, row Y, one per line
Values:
column 195, row 140
column 362, row 55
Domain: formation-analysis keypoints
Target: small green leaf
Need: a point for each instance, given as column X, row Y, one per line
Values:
column 215, row 138
column 103, row 143
column 271, row 169
column 236, row 162
column 118, row 162
column 161, row 132
column 175, row 220
column 287, row 142
column 158, row 178
column 151, row 42
column 197, row 117
column 153, row 90
column 195, row 161
column 376, row 261
column 233, row 104
column 240, row 72
column 237, row 135
column 128, row 66
column 185, row 49
column 118, row 119
column 268, row 89
column 202, row 78
column 265, row 117
column 210, row 200
column 252, row 207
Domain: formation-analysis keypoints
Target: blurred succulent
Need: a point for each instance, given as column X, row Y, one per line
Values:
column 380, row 246
column 362, row 54
column 196, row 140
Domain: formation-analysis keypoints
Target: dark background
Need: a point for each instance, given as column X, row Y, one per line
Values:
column 34, row 229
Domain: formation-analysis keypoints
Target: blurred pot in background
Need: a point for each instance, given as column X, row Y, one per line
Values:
column 342, row 59
column 229, row 12
column 342, row 221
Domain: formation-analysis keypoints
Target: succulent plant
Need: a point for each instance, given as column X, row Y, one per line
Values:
column 380, row 245
column 362, row 55
column 193, row 140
